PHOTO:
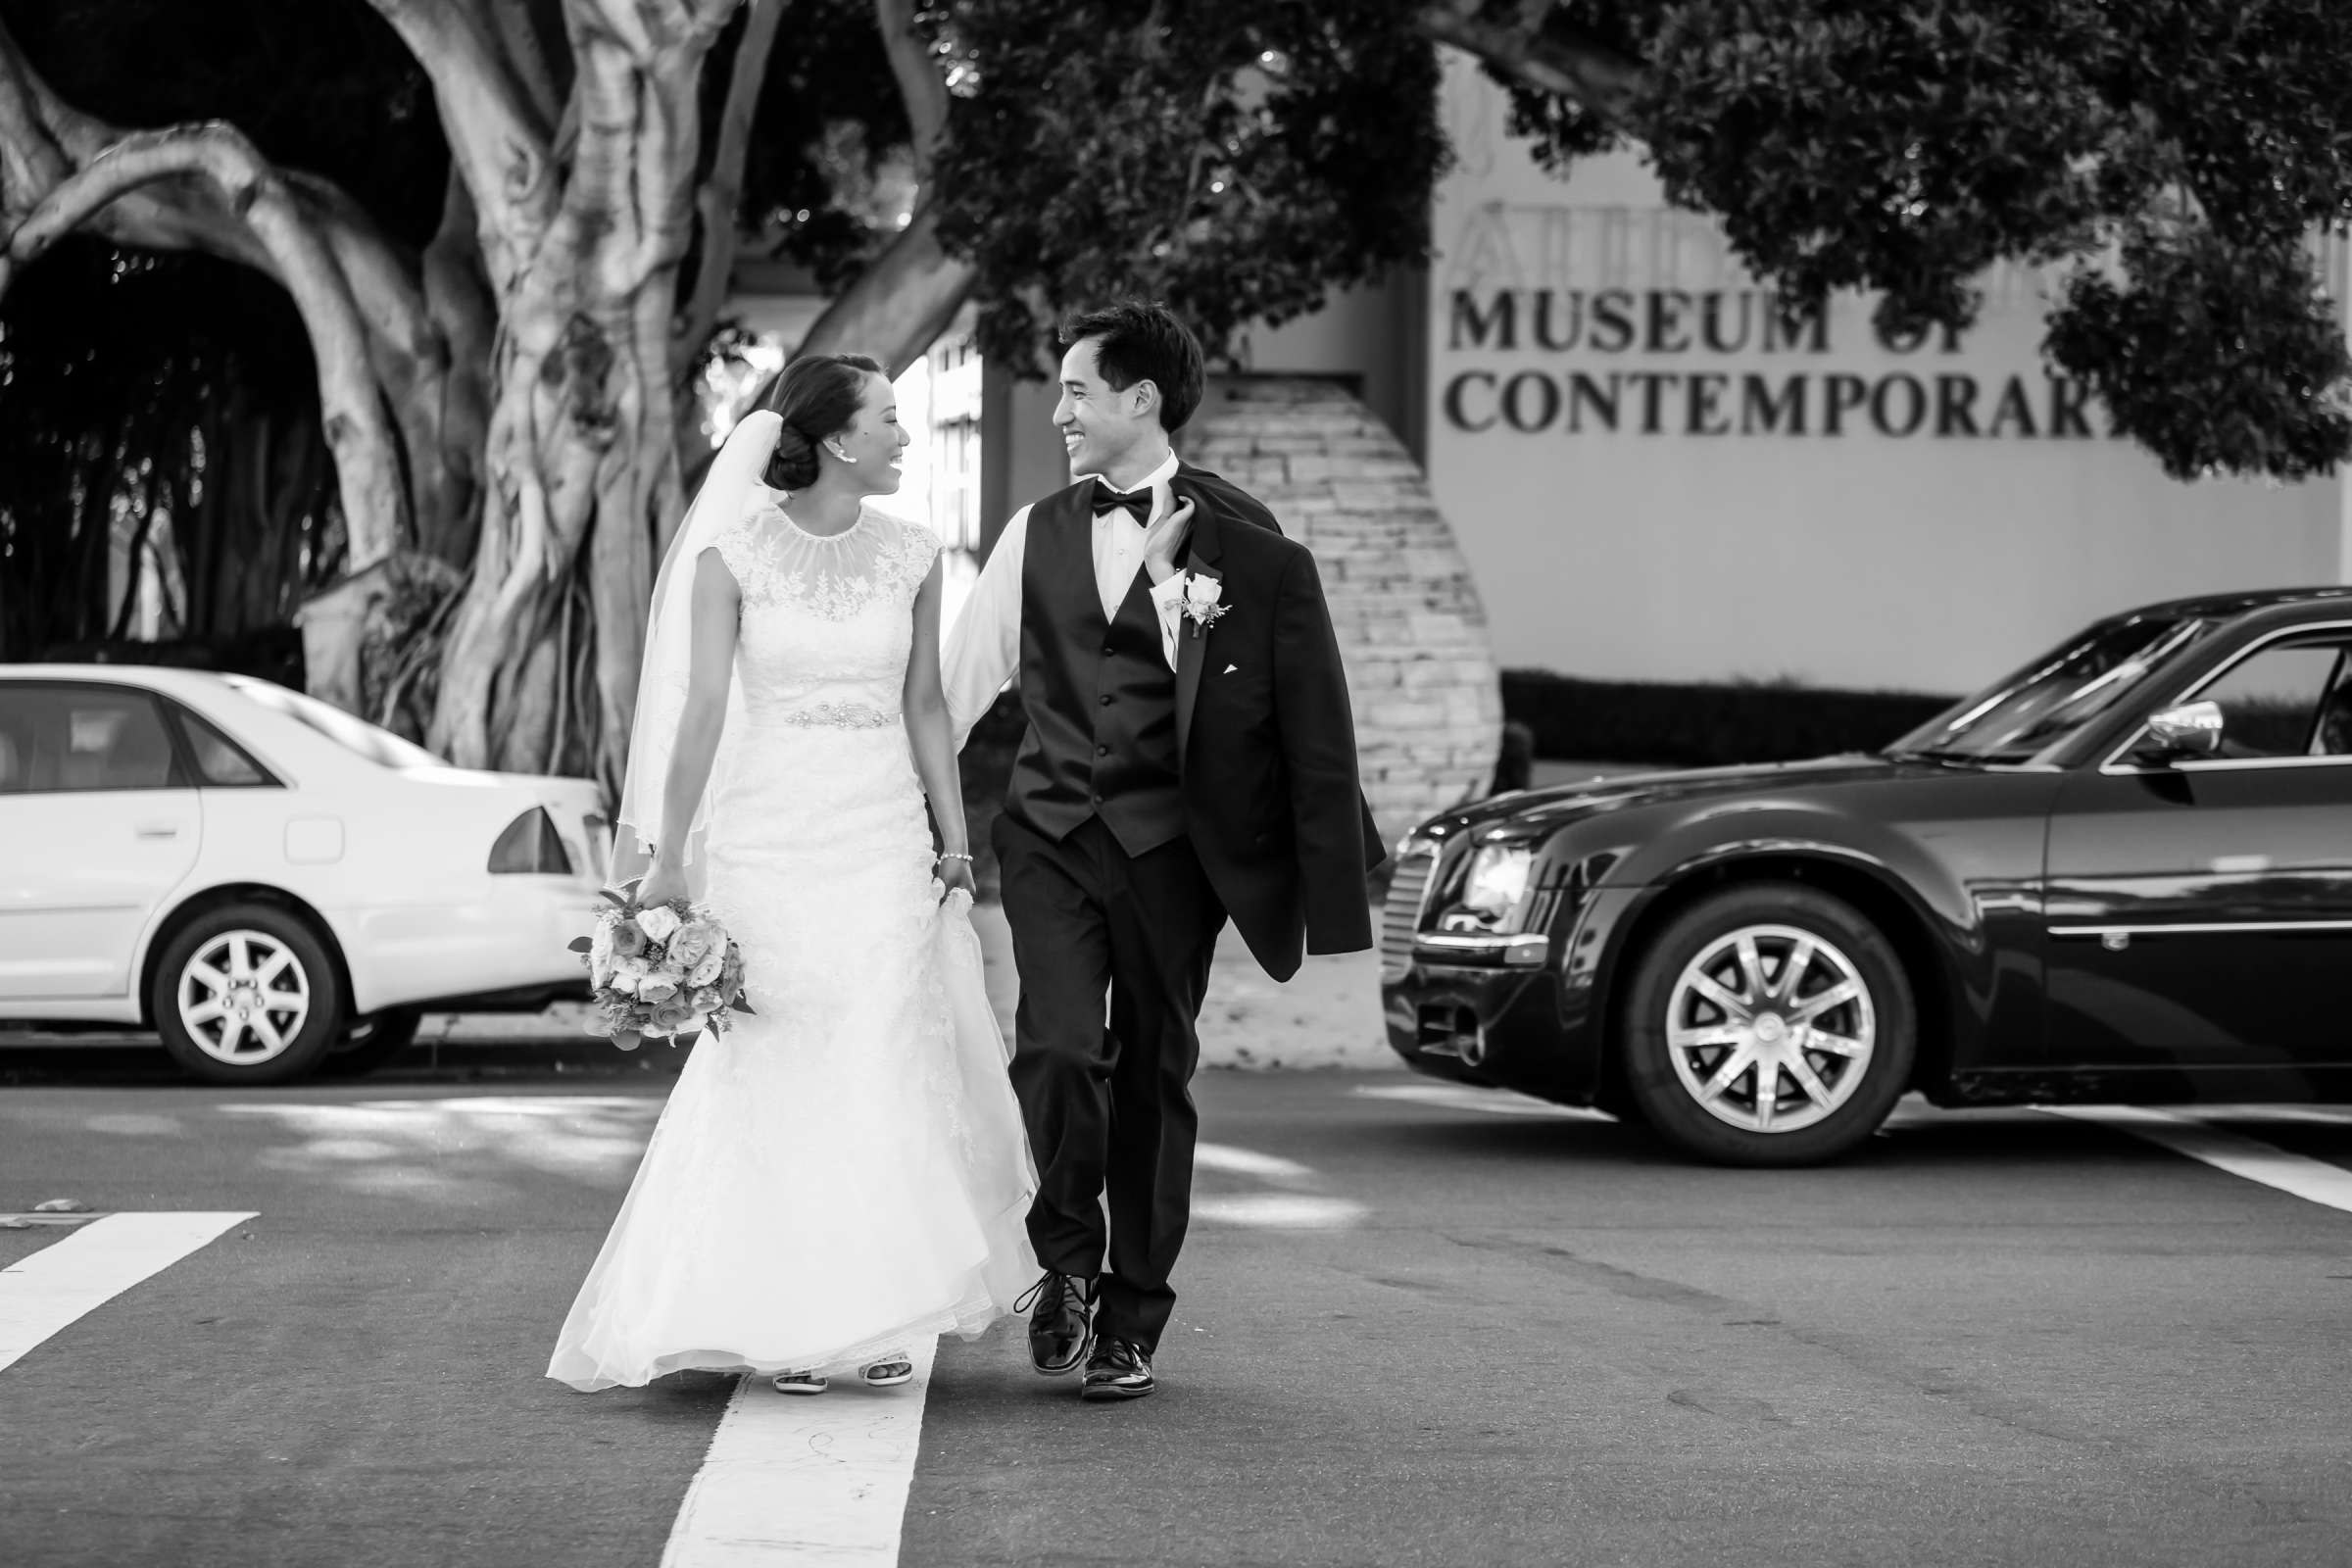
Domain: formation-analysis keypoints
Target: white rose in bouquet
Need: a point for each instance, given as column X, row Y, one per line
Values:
column 660, row 974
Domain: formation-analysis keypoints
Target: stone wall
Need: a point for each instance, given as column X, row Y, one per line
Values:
column 1428, row 705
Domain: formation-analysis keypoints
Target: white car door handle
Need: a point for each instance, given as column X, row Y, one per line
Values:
column 157, row 830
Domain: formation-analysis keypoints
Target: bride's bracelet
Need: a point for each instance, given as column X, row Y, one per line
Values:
column 953, row 854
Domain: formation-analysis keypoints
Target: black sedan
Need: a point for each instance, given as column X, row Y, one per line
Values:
column 2122, row 874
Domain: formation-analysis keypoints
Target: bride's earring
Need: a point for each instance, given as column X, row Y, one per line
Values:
column 843, row 456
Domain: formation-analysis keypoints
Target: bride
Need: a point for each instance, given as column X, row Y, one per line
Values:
column 844, row 1171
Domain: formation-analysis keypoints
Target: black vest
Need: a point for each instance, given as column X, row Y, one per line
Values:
column 1099, row 695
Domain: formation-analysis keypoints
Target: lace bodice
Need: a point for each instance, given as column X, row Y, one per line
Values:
column 827, row 622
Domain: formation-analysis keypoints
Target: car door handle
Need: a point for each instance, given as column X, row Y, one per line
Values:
column 157, row 830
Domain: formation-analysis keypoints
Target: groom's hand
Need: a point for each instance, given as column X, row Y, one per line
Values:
column 1162, row 540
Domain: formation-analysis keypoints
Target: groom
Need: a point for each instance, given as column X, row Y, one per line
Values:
column 1189, row 757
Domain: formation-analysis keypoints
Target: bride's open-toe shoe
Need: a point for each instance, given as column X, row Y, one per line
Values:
column 888, row 1373
column 800, row 1383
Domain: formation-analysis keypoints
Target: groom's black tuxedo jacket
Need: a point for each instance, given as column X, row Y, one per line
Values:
column 1265, row 740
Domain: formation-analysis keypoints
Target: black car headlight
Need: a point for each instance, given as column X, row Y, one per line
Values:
column 1487, row 910
column 1492, row 894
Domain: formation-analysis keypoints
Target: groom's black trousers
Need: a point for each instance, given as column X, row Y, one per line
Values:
column 1108, row 1108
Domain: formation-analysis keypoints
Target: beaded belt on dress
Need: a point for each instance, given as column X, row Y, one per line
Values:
column 832, row 716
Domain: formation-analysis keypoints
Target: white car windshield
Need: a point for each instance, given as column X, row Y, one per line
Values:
column 379, row 745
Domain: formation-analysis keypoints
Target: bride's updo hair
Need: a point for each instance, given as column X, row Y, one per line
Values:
column 815, row 398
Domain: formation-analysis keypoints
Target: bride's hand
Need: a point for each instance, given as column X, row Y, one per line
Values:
column 663, row 884
column 954, row 874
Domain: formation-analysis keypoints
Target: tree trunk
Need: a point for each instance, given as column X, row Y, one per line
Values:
column 581, row 465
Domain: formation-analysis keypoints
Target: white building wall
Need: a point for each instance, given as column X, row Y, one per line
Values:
column 1681, row 546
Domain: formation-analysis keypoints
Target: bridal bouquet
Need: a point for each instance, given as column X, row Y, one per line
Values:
column 660, row 970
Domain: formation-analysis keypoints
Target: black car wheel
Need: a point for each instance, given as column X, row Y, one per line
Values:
column 371, row 1041
column 246, row 994
column 1769, row 1025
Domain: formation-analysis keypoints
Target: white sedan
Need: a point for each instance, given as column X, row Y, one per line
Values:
column 264, row 879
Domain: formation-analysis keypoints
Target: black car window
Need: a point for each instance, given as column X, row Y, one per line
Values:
column 2278, row 700
column 219, row 762
column 64, row 738
column 2333, row 737
column 2055, row 696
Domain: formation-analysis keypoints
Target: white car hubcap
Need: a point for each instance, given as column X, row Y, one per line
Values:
column 1769, row 1028
column 244, row 997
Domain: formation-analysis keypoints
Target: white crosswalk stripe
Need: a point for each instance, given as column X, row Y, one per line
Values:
column 42, row 1295
column 814, row 1481
column 821, row 1482
column 1491, row 1101
column 2315, row 1180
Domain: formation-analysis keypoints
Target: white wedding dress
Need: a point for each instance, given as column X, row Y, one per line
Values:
column 844, row 1170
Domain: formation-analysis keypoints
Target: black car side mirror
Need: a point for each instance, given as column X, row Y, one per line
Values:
column 2182, row 732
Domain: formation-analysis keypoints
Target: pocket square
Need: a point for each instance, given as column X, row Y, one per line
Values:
column 1229, row 669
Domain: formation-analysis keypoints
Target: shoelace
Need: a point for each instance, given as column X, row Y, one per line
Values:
column 1065, row 1286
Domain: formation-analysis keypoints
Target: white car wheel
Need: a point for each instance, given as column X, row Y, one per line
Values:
column 1768, row 1023
column 244, row 997
column 1769, row 1028
column 247, row 994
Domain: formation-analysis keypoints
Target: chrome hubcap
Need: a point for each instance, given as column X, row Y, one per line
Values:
column 1769, row 1028
column 244, row 997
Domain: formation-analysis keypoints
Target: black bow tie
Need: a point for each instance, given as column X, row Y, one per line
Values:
column 1136, row 504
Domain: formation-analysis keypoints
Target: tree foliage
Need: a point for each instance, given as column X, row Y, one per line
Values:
column 2176, row 157
column 1237, row 159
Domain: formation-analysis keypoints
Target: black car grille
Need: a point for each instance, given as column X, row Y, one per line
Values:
column 1401, row 918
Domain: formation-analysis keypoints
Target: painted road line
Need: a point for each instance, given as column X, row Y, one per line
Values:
column 43, row 1293
column 811, row 1481
column 1233, row 1160
column 2313, row 1180
column 2311, row 1115
column 1492, row 1101
column 1277, row 1212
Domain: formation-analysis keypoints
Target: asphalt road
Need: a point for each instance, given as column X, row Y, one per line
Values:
column 1412, row 1332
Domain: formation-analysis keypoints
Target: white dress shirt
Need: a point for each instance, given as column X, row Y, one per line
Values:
column 984, row 647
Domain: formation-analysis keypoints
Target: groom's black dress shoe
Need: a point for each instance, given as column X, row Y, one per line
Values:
column 1061, row 1325
column 1120, row 1369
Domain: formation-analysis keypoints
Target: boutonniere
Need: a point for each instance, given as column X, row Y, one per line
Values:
column 1199, row 600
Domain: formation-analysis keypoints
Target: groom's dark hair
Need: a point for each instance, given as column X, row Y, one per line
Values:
column 1135, row 341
